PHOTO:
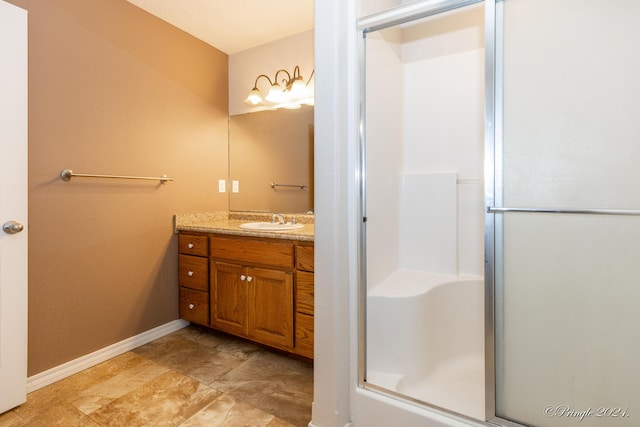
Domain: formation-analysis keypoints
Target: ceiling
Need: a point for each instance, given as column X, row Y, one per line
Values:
column 234, row 25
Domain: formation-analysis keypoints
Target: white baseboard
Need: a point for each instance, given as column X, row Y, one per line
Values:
column 311, row 424
column 349, row 424
column 74, row 366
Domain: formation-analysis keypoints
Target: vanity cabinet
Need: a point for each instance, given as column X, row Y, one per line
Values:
column 252, row 288
column 256, row 288
column 193, row 278
column 256, row 303
column 304, row 292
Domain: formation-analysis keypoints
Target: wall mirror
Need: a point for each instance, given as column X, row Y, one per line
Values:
column 271, row 161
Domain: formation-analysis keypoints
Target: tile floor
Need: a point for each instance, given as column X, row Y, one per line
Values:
column 192, row 377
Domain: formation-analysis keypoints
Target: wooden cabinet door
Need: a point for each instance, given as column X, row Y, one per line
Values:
column 229, row 297
column 270, row 314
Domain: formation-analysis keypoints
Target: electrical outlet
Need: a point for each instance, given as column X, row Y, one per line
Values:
column 235, row 186
column 221, row 186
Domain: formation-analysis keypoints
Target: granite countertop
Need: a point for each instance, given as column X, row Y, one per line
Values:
column 229, row 223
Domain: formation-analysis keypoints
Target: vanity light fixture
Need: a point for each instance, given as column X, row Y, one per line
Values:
column 290, row 92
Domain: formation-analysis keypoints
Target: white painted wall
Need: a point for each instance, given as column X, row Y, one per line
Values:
column 268, row 58
column 336, row 221
column 369, row 7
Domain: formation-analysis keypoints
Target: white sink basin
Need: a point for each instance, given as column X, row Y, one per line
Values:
column 270, row 226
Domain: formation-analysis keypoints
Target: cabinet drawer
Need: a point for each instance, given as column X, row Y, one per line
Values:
column 304, row 258
column 194, row 306
column 304, row 335
column 192, row 244
column 304, row 292
column 278, row 254
column 193, row 272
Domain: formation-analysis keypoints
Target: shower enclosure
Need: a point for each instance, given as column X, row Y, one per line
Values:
column 423, row 236
column 500, row 238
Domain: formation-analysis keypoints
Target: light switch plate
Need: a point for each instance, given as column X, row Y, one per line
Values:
column 235, row 186
column 221, row 186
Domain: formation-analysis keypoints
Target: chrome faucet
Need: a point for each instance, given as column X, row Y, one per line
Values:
column 279, row 217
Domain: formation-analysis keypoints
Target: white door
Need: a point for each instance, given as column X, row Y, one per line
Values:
column 13, row 206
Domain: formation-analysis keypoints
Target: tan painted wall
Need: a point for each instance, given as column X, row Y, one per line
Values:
column 114, row 90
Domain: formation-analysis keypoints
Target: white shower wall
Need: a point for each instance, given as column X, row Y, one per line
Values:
column 425, row 129
column 428, row 223
column 384, row 152
column 443, row 134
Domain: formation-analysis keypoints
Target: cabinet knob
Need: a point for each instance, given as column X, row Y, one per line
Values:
column 190, row 273
column 249, row 279
column 190, row 245
column 191, row 306
column 243, row 277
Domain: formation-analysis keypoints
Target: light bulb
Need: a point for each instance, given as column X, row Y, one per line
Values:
column 254, row 97
column 275, row 95
column 299, row 89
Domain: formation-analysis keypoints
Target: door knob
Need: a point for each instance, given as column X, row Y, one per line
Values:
column 12, row 227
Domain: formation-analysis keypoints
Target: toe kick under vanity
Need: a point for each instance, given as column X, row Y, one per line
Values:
column 253, row 284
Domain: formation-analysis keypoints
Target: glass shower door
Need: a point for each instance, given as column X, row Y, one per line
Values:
column 422, row 235
column 567, row 213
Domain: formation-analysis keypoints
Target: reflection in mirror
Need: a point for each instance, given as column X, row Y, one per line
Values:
column 268, row 147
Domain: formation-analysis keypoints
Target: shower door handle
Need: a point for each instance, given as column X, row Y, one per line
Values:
column 627, row 212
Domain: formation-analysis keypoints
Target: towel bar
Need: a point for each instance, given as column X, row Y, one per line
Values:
column 300, row 186
column 630, row 212
column 67, row 174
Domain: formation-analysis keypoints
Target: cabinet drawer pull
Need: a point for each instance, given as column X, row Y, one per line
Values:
column 190, row 245
column 190, row 273
column 249, row 279
column 243, row 277
column 191, row 306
